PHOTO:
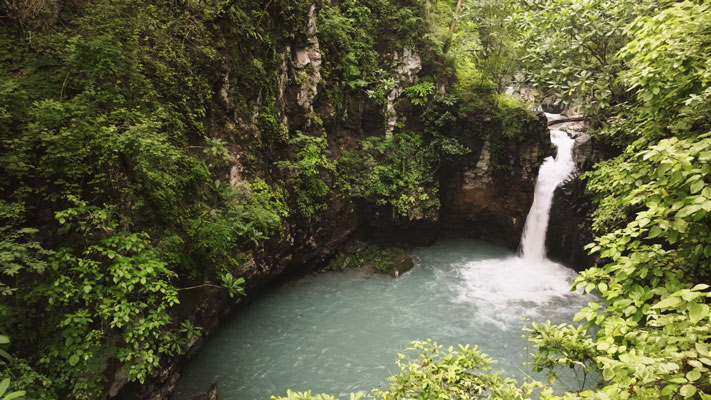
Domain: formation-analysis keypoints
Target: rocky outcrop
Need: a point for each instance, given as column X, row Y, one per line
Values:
column 489, row 203
column 209, row 394
column 570, row 224
column 569, row 228
column 406, row 65
column 300, row 75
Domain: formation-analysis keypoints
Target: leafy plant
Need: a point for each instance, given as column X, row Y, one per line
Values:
column 562, row 345
column 400, row 174
column 6, row 382
column 419, row 93
column 310, row 189
column 462, row 373
column 291, row 395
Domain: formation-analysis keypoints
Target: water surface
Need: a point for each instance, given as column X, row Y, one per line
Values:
column 339, row 332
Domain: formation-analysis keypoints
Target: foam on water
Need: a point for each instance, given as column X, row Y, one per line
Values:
column 506, row 290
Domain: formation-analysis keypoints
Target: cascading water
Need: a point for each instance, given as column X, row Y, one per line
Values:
column 510, row 288
column 339, row 332
column 553, row 172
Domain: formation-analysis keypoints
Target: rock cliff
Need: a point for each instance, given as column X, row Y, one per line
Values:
column 485, row 193
column 488, row 202
column 570, row 224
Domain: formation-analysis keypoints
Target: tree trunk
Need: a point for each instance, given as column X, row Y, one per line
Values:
column 457, row 10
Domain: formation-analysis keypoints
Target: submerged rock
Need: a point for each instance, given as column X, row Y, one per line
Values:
column 209, row 394
column 403, row 262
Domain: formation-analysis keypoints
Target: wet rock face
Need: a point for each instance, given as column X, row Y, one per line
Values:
column 407, row 65
column 569, row 227
column 570, row 224
column 491, row 204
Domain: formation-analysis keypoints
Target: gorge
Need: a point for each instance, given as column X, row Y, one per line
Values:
column 338, row 332
column 167, row 167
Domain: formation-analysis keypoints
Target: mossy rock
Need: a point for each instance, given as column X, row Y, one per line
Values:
column 399, row 262
column 392, row 261
column 209, row 394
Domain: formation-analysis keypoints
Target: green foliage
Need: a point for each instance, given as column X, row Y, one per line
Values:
column 462, row 373
column 668, row 66
column 309, row 189
column 569, row 49
column 429, row 372
column 107, row 201
column 512, row 124
column 653, row 218
column 236, row 220
column 349, row 50
column 291, row 395
column 358, row 39
column 20, row 255
column 271, row 131
column 562, row 345
column 653, row 259
column 483, row 45
column 6, row 382
column 397, row 171
column 419, row 93
column 233, row 286
column 216, row 147
column 103, row 286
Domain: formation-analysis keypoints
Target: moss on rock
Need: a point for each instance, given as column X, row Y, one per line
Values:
column 391, row 260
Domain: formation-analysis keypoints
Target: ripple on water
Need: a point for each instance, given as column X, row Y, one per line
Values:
column 339, row 332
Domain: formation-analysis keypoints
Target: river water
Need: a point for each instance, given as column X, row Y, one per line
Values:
column 339, row 332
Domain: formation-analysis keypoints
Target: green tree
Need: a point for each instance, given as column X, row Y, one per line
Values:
column 569, row 49
column 653, row 218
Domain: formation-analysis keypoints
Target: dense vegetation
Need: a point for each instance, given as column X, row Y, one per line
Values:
column 111, row 200
column 640, row 72
column 120, row 122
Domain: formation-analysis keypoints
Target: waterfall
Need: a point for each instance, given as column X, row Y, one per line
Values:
column 553, row 172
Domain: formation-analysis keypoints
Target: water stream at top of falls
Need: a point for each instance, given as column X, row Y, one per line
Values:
column 553, row 172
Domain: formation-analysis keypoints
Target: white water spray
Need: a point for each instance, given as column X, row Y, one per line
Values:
column 530, row 285
column 553, row 172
